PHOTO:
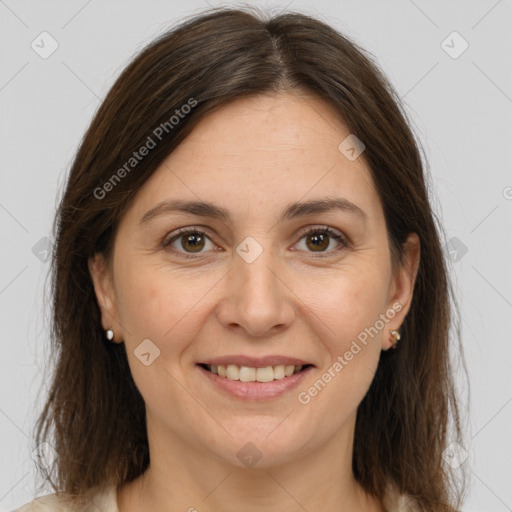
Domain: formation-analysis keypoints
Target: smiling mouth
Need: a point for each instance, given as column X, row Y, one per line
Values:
column 252, row 374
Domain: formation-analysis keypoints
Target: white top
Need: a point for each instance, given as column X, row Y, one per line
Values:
column 105, row 499
column 98, row 498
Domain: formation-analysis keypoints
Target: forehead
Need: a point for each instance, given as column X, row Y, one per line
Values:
column 273, row 128
column 260, row 153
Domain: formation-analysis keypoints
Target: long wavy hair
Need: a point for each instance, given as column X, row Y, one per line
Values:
column 94, row 416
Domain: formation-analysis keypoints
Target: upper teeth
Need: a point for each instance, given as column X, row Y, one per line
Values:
column 248, row 374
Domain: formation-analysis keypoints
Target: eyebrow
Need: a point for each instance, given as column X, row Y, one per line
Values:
column 292, row 211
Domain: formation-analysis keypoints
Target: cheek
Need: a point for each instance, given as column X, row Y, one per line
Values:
column 350, row 308
column 349, row 301
column 142, row 303
column 162, row 305
column 154, row 305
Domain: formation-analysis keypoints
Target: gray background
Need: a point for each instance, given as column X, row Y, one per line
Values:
column 461, row 109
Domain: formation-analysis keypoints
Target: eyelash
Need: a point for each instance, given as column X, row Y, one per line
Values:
column 311, row 231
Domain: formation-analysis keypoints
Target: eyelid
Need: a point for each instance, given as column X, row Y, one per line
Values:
column 322, row 228
column 171, row 237
column 336, row 234
column 342, row 239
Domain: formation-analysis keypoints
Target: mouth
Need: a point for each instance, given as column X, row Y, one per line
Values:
column 254, row 374
column 254, row 380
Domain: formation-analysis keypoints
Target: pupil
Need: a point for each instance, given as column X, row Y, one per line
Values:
column 319, row 239
column 190, row 241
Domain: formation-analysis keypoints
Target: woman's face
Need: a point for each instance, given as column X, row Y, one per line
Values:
column 255, row 290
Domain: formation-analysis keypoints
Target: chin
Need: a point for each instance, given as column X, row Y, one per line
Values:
column 261, row 448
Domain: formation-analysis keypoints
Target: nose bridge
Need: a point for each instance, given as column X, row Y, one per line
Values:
column 256, row 299
column 256, row 281
column 253, row 269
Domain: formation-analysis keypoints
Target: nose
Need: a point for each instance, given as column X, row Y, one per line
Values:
column 256, row 298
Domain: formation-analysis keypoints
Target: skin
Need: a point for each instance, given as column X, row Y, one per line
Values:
column 253, row 157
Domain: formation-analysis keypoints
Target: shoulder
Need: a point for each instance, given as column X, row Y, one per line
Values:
column 97, row 498
column 395, row 502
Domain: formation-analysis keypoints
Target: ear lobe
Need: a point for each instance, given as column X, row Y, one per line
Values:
column 104, row 290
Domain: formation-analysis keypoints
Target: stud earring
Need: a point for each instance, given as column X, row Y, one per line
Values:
column 110, row 334
column 395, row 336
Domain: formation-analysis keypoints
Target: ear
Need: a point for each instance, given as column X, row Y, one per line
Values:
column 104, row 290
column 402, row 286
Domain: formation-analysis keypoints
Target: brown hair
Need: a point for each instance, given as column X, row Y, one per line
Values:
column 94, row 416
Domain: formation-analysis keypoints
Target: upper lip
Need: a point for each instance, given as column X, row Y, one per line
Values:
column 255, row 362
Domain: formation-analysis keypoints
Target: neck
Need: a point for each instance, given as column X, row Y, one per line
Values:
column 183, row 478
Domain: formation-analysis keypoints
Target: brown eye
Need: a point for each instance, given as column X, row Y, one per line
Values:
column 190, row 241
column 195, row 241
column 187, row 241
column 319, row 239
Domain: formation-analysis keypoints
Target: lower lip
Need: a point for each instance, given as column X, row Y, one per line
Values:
column 256, row 390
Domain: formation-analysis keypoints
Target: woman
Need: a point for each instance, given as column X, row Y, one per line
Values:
column 251, row 305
